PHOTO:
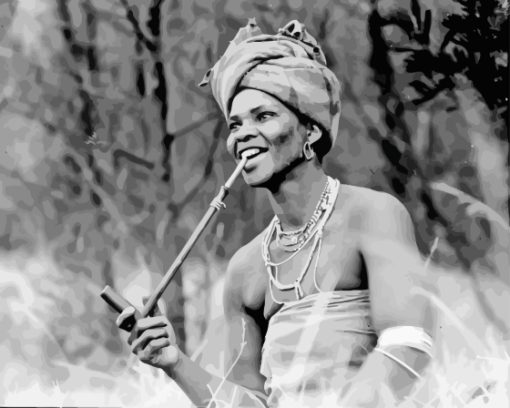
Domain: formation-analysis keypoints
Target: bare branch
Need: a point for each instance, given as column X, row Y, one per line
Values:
column 118, row 154
column 195, row 125
column 149, row 44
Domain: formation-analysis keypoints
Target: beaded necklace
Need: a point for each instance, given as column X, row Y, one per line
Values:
column 324, row 208
column 293, row 241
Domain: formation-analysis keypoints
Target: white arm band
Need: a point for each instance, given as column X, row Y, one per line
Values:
column 410, row 336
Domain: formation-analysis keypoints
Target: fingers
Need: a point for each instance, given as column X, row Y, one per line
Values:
column 148, row 336
column 150, row 322
column 142, row 324
column 158, row 344
column 152, row 349
column 158, row 352
column 151, row 339
column 145, row 324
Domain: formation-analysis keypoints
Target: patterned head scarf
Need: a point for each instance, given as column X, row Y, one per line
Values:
column 288, row 65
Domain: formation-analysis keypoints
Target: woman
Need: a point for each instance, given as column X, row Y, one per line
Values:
column 306, row 300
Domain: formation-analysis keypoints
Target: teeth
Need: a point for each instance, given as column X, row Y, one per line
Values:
column 250, row 152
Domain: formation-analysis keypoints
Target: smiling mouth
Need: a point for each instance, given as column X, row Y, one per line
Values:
column 251, row 152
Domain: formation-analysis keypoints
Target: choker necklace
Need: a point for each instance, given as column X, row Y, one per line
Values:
column 292, row 241
column 315, row 230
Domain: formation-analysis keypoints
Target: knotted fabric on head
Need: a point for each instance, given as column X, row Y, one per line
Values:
column 288, row 65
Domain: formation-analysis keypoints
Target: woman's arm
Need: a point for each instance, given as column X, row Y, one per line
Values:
column 153, row 341
column 395, row 268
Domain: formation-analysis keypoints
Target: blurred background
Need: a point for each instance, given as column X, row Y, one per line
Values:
column 110, row 154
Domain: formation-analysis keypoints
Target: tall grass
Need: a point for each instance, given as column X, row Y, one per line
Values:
column 471, row 368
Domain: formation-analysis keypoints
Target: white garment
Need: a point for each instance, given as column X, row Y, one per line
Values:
column 314, row 345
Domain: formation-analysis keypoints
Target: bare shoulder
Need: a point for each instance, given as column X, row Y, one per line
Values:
column 363, row 205
column 368, row 199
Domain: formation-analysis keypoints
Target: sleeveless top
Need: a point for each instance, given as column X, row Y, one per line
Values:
column 314, row 345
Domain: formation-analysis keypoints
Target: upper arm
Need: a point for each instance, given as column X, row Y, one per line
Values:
column 243, row 338
column 395, row 267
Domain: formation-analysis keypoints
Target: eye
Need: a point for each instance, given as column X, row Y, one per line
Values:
column 265, row 115
column 233, row 125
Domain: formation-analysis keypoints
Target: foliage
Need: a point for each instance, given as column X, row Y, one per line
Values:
column 475, row 45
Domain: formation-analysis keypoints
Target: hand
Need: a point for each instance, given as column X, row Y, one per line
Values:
column 152, row 340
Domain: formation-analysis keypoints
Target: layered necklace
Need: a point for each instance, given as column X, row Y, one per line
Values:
column 295, row 241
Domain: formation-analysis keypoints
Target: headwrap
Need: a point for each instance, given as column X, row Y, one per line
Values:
column 289, row 65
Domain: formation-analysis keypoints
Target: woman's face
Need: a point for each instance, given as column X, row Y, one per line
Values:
column 267, row 131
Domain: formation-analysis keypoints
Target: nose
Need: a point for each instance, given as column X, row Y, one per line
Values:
column 241, row 134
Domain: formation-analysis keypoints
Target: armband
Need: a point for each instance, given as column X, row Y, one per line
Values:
column 410, row 336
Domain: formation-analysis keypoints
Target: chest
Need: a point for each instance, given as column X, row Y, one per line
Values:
column 332, row 263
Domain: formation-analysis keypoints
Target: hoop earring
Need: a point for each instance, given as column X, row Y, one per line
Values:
column 308, row 151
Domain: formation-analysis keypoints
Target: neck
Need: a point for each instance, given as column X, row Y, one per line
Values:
column 295, row 197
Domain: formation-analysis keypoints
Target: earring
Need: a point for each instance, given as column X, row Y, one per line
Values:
column 308, row 151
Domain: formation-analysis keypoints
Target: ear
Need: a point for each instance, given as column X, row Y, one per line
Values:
column 314, row 133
